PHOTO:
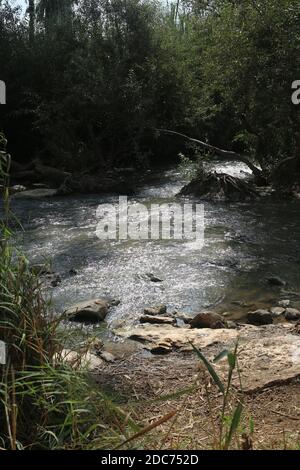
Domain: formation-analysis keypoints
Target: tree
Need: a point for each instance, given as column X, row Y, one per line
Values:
column 31, row 12
column 52, row 13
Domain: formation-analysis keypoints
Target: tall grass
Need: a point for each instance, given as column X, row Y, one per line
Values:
column 44, row 402
column 227, row 425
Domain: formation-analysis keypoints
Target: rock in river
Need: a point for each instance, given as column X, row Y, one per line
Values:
column 292, row 314
column 284, row 303
column 157, row 319
column 153, row 278
column 159, row 310
column 260, row 317
column 276, row 281
column 277, row 311
column 35, row 193
column 208, row 320
column 90, row 311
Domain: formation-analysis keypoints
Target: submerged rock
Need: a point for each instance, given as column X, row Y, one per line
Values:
column 54, row 279
column 153, row 278
column 73, row 272
column 260, row 317
column 90, row 311
column 208, row 320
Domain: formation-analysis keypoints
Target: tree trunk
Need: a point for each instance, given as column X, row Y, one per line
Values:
column 31, row 11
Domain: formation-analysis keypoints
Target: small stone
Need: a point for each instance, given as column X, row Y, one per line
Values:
column 292, row 314
column 17, row 188
column 158, row 310
column 107, row 356
column 73, row 272
column 231, row 325
column 157, row 319
column 277, row 311
column 113, row 302
column 276, row 281
column 183, row 316
column 153, row 278
column 260, row 317
column 56, row 280
column 208, row 320
column 284, row 303
column 225, row 314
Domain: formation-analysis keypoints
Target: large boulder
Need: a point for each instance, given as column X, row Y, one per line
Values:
column 90, row 311
column 260, row 317
column 208, row 320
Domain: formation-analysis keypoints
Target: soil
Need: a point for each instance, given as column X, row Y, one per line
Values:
column 148, row 387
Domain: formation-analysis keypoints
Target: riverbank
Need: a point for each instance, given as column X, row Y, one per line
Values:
column 149, row 387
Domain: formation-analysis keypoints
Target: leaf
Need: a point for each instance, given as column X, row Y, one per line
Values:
column 210, row 369
column 149, row 428
column 234, row 424
column 221, row 355
column 231, row 360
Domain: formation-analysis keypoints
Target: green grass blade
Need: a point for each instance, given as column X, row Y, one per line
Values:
column 210, row 369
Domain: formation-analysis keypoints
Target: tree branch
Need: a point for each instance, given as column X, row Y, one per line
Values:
column 228, row 154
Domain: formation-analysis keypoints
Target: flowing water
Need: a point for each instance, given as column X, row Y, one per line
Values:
column 244, row 243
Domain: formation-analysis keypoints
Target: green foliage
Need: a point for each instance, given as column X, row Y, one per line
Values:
column 98, row 76
column 248, row 58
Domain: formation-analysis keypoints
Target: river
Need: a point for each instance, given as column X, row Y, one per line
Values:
column 244, row 243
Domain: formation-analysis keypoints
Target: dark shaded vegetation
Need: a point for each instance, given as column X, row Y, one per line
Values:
column 89, row 81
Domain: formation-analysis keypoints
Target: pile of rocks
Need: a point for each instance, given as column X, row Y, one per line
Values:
column 158, row 315
column 267, row 317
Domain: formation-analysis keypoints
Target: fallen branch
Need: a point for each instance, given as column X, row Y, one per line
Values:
column 228, row 154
